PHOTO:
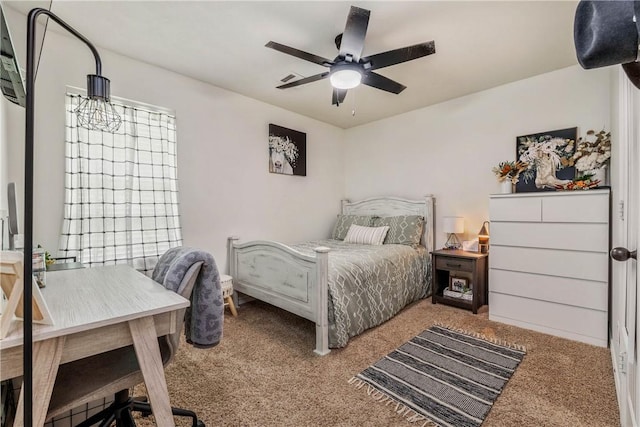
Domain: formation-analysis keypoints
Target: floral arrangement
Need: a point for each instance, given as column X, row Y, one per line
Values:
column 509, row 170
column 282, row 144
column 593, row 153
column 532, row 150
column 48, row 259
column 584, row 182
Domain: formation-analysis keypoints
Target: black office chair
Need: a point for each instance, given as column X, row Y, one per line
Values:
column 115, row 372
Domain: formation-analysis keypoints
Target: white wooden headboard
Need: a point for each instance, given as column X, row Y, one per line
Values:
column 394, row 206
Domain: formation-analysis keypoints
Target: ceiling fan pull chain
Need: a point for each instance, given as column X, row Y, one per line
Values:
column 353, row 110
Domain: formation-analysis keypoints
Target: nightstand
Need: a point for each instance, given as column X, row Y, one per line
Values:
column 459, row 269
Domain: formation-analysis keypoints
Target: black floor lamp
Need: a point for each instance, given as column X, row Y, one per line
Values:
column 96, row 113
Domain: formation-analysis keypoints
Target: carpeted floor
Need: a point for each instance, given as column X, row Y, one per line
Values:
column 264, row 373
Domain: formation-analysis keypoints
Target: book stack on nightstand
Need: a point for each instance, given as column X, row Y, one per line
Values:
column 459, row 279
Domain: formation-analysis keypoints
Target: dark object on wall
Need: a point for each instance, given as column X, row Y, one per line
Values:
column 605, row 34
column 98, row 92
column 549, row 159
column 287, row 151
column 349, row 69
column 10, row 76
column 13, row 215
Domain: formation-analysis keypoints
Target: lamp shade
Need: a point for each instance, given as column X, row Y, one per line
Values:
column 453, row 224
column 96, row 112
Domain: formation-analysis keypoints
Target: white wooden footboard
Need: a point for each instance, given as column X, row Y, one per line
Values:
column 281, row 276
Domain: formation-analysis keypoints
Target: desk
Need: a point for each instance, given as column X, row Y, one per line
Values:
column 64, row 266
column 96, row 310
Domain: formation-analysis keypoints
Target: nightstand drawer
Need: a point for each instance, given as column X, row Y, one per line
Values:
column 452, row 263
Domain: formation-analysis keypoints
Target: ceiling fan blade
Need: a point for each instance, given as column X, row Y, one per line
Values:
column 305, row 80
column 403, row 54
column 338, row 96
column 383, row 83
column 300, row 54
column 355, row 31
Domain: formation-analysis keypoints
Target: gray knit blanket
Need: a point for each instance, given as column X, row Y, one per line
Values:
column 204, row 318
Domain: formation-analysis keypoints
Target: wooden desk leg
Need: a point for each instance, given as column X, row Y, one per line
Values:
column 46, row 360
column 145, row 342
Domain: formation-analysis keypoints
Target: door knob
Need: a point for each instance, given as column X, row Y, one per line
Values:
column 622, row 254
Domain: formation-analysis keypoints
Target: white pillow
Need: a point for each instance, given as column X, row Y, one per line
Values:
column 366, row 235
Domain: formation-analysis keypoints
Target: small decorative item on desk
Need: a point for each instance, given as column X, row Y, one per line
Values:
column 48, row 259
column 12, row 286
column 508, row 174
column 593, row 154
column 39, row 268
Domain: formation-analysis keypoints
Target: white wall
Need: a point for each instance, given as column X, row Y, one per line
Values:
column 225, row 187
column 449, row 149
column 446, row 149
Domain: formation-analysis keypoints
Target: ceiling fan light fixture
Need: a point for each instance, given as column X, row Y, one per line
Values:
column 345, row 76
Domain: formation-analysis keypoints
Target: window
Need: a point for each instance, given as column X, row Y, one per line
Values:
column 121, row 189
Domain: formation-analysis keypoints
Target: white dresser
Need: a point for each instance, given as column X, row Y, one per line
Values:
column 549, row 262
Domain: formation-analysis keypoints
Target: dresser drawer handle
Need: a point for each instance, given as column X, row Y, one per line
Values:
column 453, row 265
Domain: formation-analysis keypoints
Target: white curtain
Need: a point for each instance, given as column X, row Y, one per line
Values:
column 121, row 189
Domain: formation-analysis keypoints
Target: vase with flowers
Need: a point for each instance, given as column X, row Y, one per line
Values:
column 508, row 174
column 593, row 154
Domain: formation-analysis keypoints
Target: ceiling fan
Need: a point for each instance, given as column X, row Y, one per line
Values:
column 349, row 69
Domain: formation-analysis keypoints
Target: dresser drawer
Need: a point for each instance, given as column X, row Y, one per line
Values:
column 567, row 321
column 562, row 290
column 451, row 263
column 587, row 237
column 577, row 208
column 516, row 209
column 572, row 264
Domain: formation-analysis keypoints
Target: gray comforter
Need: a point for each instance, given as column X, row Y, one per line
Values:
column 370, row 284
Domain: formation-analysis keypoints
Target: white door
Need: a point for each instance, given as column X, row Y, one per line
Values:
column 625, row 271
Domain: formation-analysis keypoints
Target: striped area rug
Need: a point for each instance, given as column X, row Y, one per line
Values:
column 442, row 377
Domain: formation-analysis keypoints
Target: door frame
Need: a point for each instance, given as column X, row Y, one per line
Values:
column 628, row 122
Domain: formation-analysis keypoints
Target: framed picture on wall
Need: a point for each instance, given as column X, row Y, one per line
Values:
column 287, row 151
column 549, row 156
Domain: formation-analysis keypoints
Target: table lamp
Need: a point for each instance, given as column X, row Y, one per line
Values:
column 483, row 238
column 453, row 225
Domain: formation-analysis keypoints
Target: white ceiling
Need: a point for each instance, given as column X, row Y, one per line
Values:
column 479, row 45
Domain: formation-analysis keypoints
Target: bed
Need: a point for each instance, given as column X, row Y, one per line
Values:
column 344, row 288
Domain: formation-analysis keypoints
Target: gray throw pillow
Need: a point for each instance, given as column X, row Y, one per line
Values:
column 403, row 230
column 344, row 222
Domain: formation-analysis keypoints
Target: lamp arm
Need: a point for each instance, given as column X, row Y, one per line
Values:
column 28, row 198
column 31, row 25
